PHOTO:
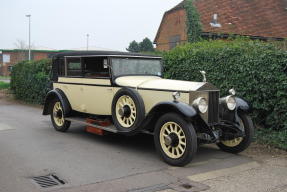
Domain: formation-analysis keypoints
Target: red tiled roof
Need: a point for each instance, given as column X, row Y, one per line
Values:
column 265, row 18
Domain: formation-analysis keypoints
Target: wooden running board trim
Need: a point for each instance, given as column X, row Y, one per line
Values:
column 110, row 128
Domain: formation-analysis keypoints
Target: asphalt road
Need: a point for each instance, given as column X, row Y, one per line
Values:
column 30, row 147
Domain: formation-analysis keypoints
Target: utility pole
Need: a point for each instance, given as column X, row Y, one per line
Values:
column 88, row 41
column 29, row 17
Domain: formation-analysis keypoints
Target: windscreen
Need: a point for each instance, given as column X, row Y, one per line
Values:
column 132, row 66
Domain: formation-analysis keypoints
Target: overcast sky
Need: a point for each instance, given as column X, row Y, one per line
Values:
column 63, row 24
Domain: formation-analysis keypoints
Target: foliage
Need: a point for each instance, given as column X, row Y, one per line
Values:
column 4, row 77
column 194, row 27
column 30, row 80
column 133, row 47
column 271, row 137
column 144, row 46
column 253, row 68
column 4, row 85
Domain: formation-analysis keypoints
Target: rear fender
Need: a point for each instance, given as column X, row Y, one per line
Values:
column 57, row 93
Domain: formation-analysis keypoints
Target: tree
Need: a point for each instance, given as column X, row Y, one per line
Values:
column 144, row 46
column 194, row 26
column 134, row 47
column 22, row 48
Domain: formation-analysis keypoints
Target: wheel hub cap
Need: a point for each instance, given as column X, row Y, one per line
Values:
column 125, row 111
column 172, row 140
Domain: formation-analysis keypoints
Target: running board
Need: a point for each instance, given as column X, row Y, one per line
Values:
column 110, row 128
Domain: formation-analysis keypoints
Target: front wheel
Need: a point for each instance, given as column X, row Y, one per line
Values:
column 57, row 117
column 175, row 139
column 239, row 144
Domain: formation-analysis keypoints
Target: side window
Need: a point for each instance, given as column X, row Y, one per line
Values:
column 95, row 67
column 74, row 67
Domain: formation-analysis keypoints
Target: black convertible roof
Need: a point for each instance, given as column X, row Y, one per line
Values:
column 103, row 53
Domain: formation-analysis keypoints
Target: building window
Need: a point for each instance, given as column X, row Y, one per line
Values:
column 6, row 58
column 174, row 41
column 10, row 68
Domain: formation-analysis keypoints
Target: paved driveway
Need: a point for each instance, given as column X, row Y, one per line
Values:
column 30, row 147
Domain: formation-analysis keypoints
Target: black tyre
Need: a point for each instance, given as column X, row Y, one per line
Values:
column 57, row 116
column 128, row 111
column 239, row 144
column 175, row 139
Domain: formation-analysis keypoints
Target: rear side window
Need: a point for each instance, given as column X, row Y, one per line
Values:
column 74, row 67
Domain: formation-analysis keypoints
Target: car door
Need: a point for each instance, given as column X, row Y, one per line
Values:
column 96, row 91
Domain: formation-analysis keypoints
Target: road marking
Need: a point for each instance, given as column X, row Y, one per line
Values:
column 223, row 172
column 4, row 127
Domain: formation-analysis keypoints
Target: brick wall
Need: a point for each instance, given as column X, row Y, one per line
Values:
column 173, row 24
column 17, row 56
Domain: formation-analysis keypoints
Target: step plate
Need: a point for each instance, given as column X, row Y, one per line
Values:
column 110, row 128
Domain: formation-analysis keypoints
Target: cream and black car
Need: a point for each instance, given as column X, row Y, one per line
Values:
column 129, row 91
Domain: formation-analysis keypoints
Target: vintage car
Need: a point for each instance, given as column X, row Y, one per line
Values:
column 129, row 91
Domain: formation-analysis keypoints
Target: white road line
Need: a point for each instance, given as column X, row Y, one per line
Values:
column 223, row 172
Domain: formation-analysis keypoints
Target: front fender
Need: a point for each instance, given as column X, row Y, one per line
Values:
column 57, row 93
column 231, row 116
column 242, row 105
column 184, row 109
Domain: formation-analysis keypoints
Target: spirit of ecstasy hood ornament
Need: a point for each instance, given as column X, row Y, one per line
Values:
column 203, row 73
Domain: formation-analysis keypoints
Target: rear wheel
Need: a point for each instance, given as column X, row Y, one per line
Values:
column 175, row 139
column 57, row 117
column 239, row 144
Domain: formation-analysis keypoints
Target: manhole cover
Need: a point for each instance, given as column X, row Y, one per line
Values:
column 48, row 181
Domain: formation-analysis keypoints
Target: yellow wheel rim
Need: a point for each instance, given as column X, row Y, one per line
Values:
column 58, row 115
column 172, row 140
column 126, row 111
column 236, row 141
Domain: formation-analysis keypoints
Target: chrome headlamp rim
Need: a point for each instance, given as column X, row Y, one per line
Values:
column 201, row 104
column 230, row 102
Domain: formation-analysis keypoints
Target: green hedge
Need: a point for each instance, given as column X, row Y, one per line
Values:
column 30, row 80
column 4, row 85
column 254, row 69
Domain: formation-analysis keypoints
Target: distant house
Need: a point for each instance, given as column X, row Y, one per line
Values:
column 9, row 57
column 259, row 19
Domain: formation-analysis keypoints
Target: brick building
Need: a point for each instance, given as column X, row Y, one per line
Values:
column 258, row 19
column 9, row 57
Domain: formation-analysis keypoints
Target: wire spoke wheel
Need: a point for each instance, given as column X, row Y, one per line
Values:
column 58, row 115
column 172, row 140
column 236, row 141
column 126, row 111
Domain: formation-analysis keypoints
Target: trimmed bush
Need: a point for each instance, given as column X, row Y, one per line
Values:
column 4, row 85
column 30, row 80
column 254, row 69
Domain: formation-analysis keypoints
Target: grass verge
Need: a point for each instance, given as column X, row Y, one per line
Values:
column 273, row 138
column 4, row 85
column 4, row 77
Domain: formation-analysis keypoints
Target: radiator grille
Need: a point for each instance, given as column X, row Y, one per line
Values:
column 213, row 107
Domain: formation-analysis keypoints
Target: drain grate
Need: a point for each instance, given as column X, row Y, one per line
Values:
column 48, row 181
